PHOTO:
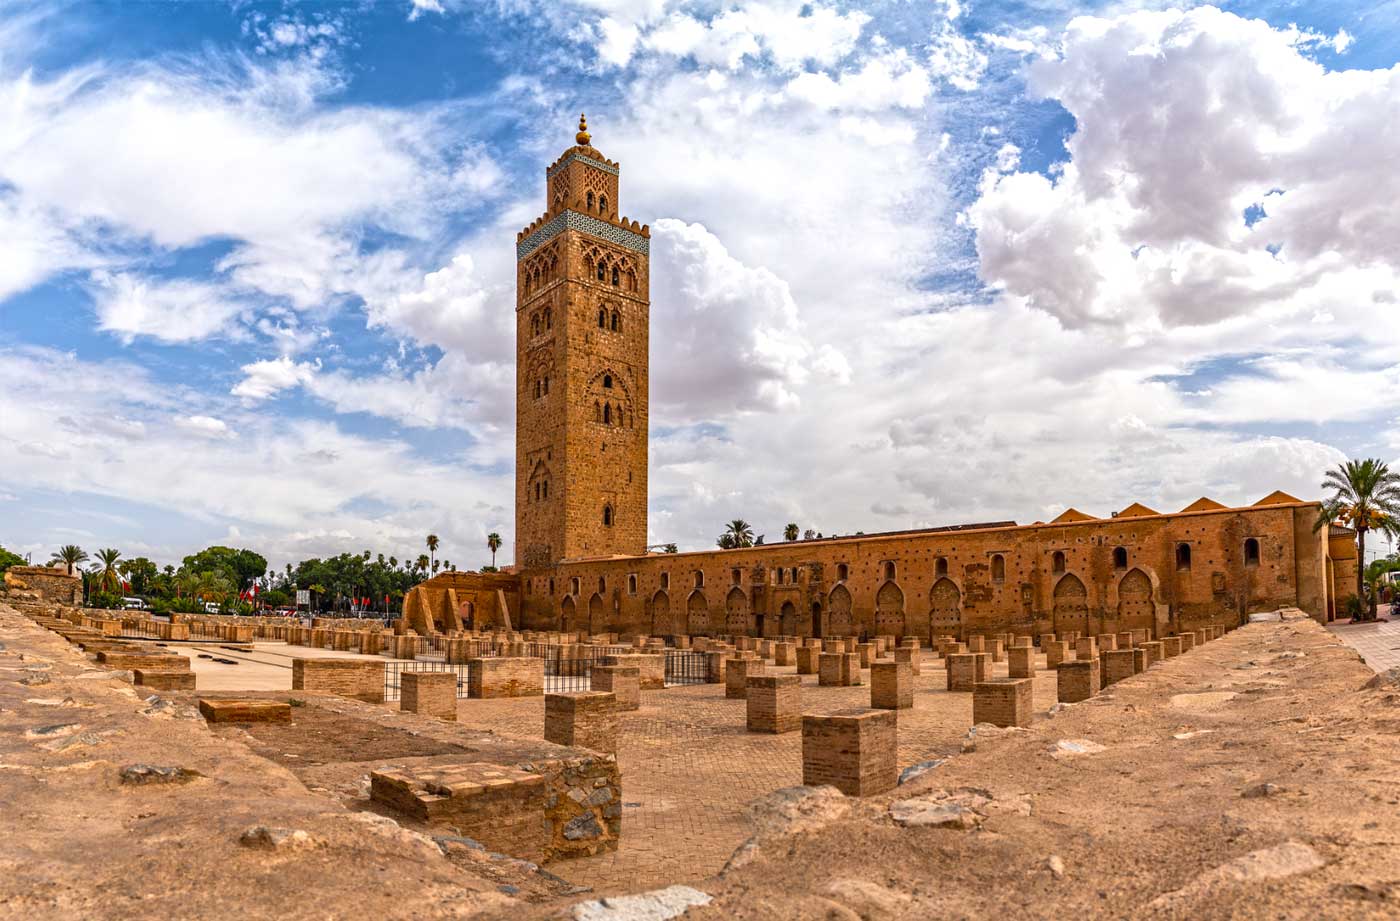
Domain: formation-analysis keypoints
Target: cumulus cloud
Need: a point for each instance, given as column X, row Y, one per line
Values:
column 1147, row 223
column 263, row 379
column 170, row 311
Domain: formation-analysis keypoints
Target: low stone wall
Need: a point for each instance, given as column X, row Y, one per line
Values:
column 359, row 679
column 54, row 586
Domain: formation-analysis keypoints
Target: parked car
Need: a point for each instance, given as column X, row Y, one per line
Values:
column 211, row 607
column 133, row 604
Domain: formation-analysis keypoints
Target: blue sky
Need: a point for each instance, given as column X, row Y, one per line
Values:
column 914, row 263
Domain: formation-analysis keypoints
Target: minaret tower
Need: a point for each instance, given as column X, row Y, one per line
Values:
column 582, row 323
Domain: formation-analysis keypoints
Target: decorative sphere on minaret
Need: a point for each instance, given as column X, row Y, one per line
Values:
column 583, row 137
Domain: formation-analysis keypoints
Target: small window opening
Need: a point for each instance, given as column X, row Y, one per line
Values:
column 842, row 572
column 889, row 571
column 998, row 568
column 1057, row 562
column 1120, row 558
column 940, row 567
column 1251, row 552
column 607, row 516
column 1183, row 556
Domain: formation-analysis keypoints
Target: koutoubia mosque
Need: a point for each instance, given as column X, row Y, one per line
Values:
column 581, row 560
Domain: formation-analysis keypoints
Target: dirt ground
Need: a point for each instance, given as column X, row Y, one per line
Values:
column 1255, row 777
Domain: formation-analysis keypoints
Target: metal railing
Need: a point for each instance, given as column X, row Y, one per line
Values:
column 685, row 667
column 393, row 672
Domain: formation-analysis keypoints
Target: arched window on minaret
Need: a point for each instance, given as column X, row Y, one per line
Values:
column 603, row 205
column 548, row 319
column 616, row 277
column 602, row 318
column 607, row 414
column 602, row 270
column 607, row 516
column 590, row 201
column 616, row 322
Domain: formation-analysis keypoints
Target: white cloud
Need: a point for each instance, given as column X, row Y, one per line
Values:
column 891, row 80
column 1146, row 223
column 204, row 426
column 263, row 379
column 170, row 311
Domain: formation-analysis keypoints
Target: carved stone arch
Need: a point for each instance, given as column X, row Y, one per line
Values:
column 619, row 383
column 839, row 608
column 889, row 610
column 1070, row 605
column 697, row 611
column 736, row 612
column 1136, row 609
column 568, row 615
column 597, row 614
column 787, row 619
column 661, row 622
column 945, row 609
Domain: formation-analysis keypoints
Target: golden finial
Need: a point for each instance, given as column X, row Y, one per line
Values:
column 583, row 137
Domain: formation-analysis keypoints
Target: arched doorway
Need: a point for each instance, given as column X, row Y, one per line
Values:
column 597, row 620
column 736, row 613
column 787, row 619
column 840, row 607
column 889, row 610
column 817, row 619
column 698, row 614
column 1135, row 608
column 1071, row 606
column 568, row 615
column 945, row 610
column 661, row 624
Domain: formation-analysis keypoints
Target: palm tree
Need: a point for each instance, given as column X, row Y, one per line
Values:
column 108, row 579
column 740, row 533
column 393, row 562
column 493, row 543
column 436, row 564
column 422, row 562
column 211, row 585
column 790, row 532
column 1365, row 497
column 432, row 546
column 70, row 555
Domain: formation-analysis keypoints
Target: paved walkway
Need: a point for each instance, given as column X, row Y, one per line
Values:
column 1378, row 643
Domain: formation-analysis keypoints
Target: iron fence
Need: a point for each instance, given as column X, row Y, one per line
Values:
column 574, row 674
column 686, row 667
column 393, row 672
column 140, row 629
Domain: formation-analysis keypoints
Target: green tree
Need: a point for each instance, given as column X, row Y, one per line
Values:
column 241, row 567
column 107, row 576
column 1365, row 497
column 70, row 555
column 432, row 543
column 141, row 573
column 493, row 543
column 422, row 563
column 740, row 534
column 790, row 532
column 8, row 559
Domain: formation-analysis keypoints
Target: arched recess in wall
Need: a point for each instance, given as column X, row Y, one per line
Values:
column 597, row 618
column 1071, row 606
column 1135, row 608
column 736, row 612
column 568, row 615
column 889, row 610
column 839, row 606
column 661, row 624
column 787, row 619
column 945, row 609
column 697, row 611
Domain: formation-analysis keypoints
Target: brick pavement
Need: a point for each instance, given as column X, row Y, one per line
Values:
column 1378, row 643
column 690, row 768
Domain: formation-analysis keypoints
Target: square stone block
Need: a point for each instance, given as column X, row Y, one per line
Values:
column 784, row 654
column 838, row 669
column 1188, row 641
column 851, row 750
column 1125, row 639
column 965, row 669
column 736, row 675
column 1171, row 647
column 866, row 653
column 1022, row 641
column 583, row 719
column 976, row 644
column 1056, row 651
column 503, row 676
column 246, row 711
column 1139, row 659
column 807, row 659
column 623, row 681
column 1115, row 665
column 1154, row 651
column 361, row 679
column 429, row 694
column 1107, row 641
column 1077, row 680
column 891, row 686
column 163, row 680
column 1086, row 649
column 1020, row 661
column 774, row 703
column 500, row 806
column 910, row 656
column 1002, row 702
column 996, row 648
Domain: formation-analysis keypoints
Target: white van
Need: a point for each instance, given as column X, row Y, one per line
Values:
column 133, row 604
column 211, row 607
